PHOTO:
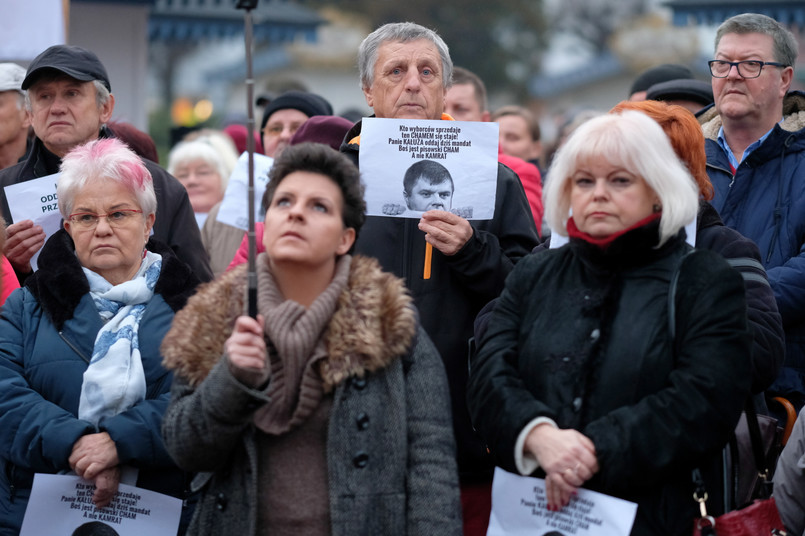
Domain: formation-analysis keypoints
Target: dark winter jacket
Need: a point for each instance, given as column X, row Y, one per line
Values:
column 742, row 254
column 175, row 223
column 47, row 334
column 765, row 202
column 581, row 336
column 764, row 323
column 390, row 450
column 457, row 289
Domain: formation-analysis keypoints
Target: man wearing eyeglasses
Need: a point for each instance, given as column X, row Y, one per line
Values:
column 755, row 142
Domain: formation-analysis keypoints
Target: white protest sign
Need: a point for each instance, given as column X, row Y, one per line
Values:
column 30, row 27
column 61, row 503
column 519, row 508
column 234, row 209
column 410, row 166
column 36, row 200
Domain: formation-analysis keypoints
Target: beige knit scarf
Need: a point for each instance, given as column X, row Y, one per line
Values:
column 295, row 337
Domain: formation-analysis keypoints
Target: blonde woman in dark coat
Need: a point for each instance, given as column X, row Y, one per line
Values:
column 328, row 414
column 580, row 378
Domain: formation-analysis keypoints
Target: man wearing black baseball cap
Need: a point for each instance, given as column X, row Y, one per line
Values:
column 69, row 101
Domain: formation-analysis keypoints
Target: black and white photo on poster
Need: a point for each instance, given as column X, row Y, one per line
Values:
column 412, row 166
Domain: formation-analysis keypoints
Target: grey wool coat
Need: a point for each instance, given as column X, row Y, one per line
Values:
column 390, row 448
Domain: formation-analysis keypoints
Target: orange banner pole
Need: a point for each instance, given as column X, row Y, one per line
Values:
column 428, row 259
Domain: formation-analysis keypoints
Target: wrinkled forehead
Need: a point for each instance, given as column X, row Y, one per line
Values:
column 420, row 50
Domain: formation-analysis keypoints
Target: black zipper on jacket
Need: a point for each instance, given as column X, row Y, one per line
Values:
column 778, row 207
column 71, row 345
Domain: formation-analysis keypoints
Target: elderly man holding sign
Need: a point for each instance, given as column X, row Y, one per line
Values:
column 405, row 72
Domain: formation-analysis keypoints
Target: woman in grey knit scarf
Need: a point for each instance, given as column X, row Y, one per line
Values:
column 329, row 413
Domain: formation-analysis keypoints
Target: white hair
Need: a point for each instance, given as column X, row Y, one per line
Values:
column 216, row 150
column 637, row 142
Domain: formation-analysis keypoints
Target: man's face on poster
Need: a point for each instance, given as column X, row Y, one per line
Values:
column 425, row 196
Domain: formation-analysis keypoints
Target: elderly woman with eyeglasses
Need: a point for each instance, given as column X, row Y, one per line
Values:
column 82, row 386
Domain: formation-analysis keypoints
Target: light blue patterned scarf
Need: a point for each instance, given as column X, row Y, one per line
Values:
column 115, row 380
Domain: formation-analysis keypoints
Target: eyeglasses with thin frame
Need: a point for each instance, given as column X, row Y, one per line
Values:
column 89, row 220
column 746, row 68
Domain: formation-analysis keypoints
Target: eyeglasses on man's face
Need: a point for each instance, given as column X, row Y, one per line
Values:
column 746, row 69
column 89, row 220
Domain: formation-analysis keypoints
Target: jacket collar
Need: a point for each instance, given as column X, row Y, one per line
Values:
column 793, row 116
column 633, row 249
column 60, row 284
column 353, row 137
column 385, row 332
column 40, row 162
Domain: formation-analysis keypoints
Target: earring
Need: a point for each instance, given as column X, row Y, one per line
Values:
column 656, row 208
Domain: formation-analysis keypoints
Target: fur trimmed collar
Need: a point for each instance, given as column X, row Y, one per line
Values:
column 59, row 284
column 793, row 116
column 374, row 324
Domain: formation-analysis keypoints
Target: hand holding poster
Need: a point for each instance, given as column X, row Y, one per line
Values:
column 36, row 200
column 59, row 504
column 412, row 166
column 519, row 508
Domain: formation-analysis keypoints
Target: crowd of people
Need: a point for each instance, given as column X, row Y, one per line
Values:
column 638, row 285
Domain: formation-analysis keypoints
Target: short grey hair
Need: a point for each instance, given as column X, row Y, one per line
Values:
column 102, row 94
column 785, row 46
column 400, row 32
column 640, row 144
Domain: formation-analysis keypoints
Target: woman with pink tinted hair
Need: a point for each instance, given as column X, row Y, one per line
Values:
column 82, row 386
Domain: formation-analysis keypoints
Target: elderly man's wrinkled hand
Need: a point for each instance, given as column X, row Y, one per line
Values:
column 23, row 240
column 445, row 231
column 464, row 212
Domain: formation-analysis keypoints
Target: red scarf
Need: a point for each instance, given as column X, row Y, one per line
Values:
column 604, row 243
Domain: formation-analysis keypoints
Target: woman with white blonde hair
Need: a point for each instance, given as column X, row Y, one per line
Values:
column 636, row 141
column 203, row 165
column 597, row 370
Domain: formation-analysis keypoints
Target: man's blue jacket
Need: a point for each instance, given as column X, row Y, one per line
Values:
column 764, row 200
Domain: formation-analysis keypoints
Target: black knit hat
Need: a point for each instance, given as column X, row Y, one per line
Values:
column 684, row 89
column 657, row 74
column 309, row 104
column 75, row 62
